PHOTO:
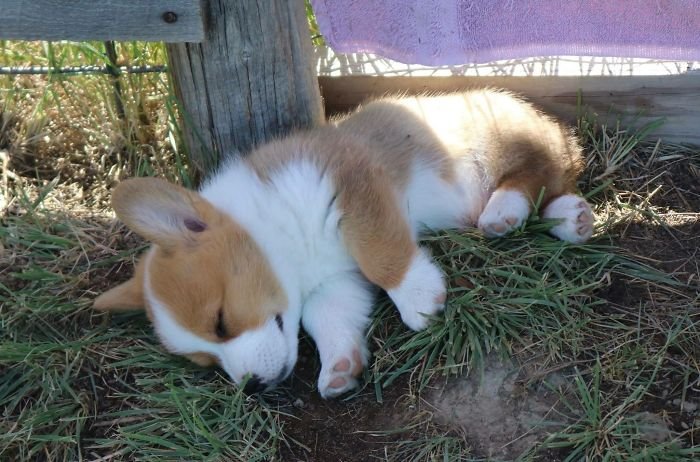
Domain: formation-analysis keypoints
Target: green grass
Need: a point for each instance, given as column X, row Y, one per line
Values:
column 77, row 383
column 518, row 292
column 622, row 324
column 612, row 431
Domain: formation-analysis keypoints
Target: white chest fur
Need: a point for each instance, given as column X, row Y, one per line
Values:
column 294, row 217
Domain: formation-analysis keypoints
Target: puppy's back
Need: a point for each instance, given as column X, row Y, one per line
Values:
column 499, row 131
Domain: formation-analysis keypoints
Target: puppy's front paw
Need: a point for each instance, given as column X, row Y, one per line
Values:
column 422, row 292
column 505, row 211
column 339, row 374
column 576, row 218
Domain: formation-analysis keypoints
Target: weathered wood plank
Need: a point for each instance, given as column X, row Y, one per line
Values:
column 638, row 99
column 150, row 20
column 250, row 80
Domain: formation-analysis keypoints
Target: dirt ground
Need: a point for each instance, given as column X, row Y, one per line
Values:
column 341, row 430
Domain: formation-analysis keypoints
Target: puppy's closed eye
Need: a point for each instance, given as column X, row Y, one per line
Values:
column 280, row 322
column 220, row 329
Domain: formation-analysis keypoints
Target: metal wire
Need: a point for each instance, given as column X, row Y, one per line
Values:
column 45, row 70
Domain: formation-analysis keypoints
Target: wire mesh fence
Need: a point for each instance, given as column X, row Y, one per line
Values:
column 112, row 68
column 77, row 70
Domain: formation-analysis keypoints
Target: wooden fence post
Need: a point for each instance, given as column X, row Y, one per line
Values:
column 252, row 78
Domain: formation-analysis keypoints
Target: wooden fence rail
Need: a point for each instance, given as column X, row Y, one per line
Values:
column 634, row 100
column 152, row 21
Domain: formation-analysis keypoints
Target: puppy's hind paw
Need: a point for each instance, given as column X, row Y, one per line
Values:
column 505, row 211
column 575, row 215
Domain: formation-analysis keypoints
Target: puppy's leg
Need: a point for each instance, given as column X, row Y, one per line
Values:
column 576, row 217
column 421, row 293
column 336, row 315
column 378, row 236
column 511, row 202
column 528, row 168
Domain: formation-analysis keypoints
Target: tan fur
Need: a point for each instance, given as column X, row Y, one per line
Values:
column 126, row 296
column 196, row 283
column 187, row 272
column 517, row 146
column 374, row 228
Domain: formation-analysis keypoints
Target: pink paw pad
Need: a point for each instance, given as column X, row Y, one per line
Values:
column 575, row 216
column 343, row 375
column 441, row 298
column 505, row 211
column 584, row 220
column 338, row 382
column 342, row 366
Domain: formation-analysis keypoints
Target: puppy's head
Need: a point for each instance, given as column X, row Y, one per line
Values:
column 206, row 286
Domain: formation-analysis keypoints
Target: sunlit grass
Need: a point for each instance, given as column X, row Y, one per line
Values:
column 525, row 290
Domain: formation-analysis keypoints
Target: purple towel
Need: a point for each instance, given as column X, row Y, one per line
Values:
column 437, row 32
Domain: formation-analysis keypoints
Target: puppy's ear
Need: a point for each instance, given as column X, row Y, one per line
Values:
column 124, row 297
column 161, row 212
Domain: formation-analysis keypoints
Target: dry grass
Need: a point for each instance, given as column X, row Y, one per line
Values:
column 620, row 316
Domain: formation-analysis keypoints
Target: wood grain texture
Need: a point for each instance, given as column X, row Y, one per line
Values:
column 101, row 20
column 251, row 79
column 634, row 99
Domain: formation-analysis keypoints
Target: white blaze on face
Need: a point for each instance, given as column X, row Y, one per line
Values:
column 268, row 352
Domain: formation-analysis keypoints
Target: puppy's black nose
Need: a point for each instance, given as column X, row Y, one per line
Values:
column 254, row 385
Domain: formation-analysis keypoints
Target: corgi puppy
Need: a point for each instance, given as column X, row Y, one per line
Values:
column 303, row 229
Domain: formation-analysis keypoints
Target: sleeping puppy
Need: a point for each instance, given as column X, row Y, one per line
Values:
column 302, row 229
